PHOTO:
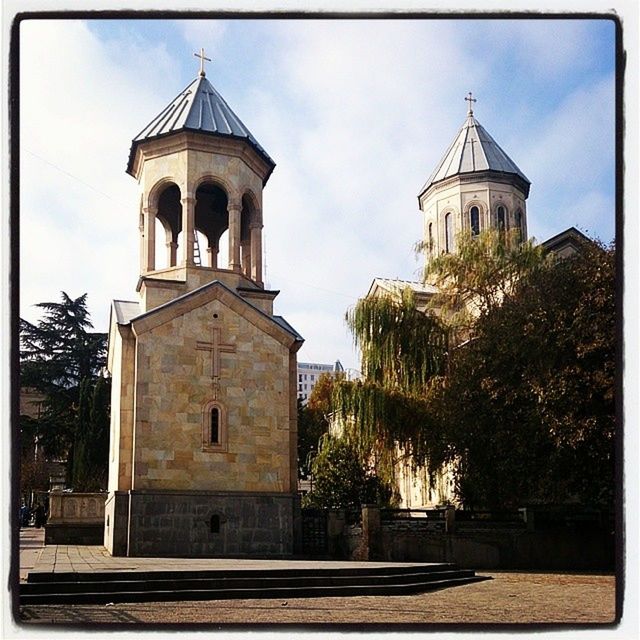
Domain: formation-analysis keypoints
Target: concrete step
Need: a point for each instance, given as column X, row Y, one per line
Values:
column 132, row 587
column 316, row 571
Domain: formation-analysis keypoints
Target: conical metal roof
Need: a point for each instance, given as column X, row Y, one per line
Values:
column 199, row 107
column 474, row 150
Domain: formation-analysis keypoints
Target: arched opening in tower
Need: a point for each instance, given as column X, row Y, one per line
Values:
column 170, row 216
column 211, row 223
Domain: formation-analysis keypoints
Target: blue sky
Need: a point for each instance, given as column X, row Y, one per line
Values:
column 356, row 115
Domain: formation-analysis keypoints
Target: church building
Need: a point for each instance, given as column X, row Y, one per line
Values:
column 204, row 376
column 474, row 187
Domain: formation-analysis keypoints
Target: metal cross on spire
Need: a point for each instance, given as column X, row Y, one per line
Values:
column 202, row 59
column 470, row 99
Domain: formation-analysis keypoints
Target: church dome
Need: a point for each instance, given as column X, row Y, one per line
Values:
column 200, row 108
column 474, row 151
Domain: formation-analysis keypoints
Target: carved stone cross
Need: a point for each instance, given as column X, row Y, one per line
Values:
column 216, row 347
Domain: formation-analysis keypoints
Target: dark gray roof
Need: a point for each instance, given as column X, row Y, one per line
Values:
column 570, row 236
column 199, row 107
column 287, row 327
column 473, row 150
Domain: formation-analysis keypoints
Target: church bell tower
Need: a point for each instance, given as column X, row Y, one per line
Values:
column 201, row 174
column 203, row 441
column 474, row 187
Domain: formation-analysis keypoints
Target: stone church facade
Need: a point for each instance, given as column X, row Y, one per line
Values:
column 203, row 423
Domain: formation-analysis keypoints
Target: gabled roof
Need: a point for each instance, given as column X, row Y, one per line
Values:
column 128, row 313
column 396, row 287
column 568, row 241
column 198, row 107
column 473, row 150
column 125, row 310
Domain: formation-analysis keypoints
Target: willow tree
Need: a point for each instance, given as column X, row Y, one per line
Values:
column 402, row 350
column 480, row 276
column 405, row 350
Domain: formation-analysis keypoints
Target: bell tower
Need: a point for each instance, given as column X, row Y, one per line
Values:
column 476, row 186
column 201, row 173
column 203, row 439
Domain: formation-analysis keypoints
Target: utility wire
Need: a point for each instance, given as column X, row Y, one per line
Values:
column 71, row 175
column 106, row 195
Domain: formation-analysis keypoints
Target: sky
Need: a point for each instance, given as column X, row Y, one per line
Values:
column 356, row 115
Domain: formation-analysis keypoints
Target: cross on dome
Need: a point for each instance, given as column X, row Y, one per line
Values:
column 202, row 59
column 470, row 99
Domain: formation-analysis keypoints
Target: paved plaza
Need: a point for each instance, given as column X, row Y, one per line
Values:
column 510, row 598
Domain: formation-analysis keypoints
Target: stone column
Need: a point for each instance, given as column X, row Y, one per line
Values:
column 212, row 256
column 450, row 519
column 256, row 253
column 371, row 531
column 188, row 229
column 172, row 253
column 246, row 258
column 235, row 211
column 150, row 238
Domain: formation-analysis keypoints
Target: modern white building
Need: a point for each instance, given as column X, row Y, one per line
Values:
column 309, row 374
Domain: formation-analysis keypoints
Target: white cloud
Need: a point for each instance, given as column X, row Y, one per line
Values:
column 77, row 215
column 356, row 115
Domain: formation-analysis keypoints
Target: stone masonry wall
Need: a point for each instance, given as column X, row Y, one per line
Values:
column 180, row 524
column 173, row 386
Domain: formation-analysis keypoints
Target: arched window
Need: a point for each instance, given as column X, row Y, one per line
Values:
column 214, row 427
column 430, row 238
column 474, row 220
column 214, row 434
column 501, row 219
column 448, row 233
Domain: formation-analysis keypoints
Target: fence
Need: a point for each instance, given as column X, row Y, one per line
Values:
column 526, row 538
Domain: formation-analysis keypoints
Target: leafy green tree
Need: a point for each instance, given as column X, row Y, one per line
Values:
column 528, row 406
column 342, row 479
column 59, row 351
column 91, row 445
column 313, row 421
column 58, row 355
column 480, row 275
column 402, row 350
column 522, row 409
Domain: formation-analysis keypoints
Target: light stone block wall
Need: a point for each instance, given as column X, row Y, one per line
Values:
column 76, row 508
column 154, row 293
column 186, row 160
column 121, row 367
column 458, row 194
column 174, row 384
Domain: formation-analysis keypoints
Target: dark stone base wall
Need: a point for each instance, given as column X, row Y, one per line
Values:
column 74, row 533
column 543, row 550
column 184, row 523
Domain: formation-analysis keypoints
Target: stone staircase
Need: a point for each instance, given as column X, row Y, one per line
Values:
column 155, row 586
